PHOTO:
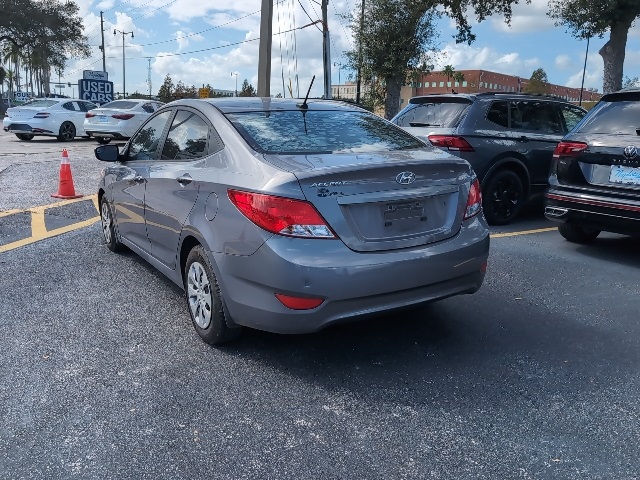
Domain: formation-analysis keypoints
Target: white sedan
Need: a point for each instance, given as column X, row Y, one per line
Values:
column 62, row 118
column 118, row 119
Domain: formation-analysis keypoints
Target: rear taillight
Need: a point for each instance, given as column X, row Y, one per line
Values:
column 42, row 115
column 123, row 116
column 299, row 303
column 89, row 115
column 474, row 200
column 569, row 149
column 284, row 216
column 450, row 142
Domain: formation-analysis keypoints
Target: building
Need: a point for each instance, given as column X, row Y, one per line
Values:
column 476, row 81
column 347, row 91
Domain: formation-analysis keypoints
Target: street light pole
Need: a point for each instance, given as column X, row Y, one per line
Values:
column 584, row 71
column 235, row 74
column 124, row 34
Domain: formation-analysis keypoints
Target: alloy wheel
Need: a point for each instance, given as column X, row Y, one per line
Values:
column 106, row 222
column 199, row 295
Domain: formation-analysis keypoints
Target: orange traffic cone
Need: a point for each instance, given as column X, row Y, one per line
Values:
column 65, row 187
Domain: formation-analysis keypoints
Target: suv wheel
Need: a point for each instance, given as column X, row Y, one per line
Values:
column 502, row 197
column 578, row 234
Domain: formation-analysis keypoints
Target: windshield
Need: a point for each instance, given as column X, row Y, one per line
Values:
column 318, row 131
column 612, row 117
column 433, row 114
column 120, row 104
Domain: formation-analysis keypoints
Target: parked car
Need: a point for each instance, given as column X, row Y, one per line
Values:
column 118, row 119
column 594, row 184
column 508, row 138
column 289, row 216
column 62, row 118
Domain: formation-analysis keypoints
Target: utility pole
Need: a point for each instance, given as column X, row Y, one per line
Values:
column 124, row 34
column 264, row 58
column 104, row 65
column 326, row 51
column 149, row 77
column 235, row 74
column 359, row 79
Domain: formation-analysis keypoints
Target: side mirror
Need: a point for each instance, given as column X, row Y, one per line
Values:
column 108, row 153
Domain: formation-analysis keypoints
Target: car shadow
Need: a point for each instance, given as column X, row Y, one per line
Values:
column 613, row 248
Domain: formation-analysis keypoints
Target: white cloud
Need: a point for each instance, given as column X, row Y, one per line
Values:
column 527, row 18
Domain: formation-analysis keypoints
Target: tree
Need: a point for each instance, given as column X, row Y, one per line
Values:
column 630, row 82
column 247, row 89
column 538, row 83
column 390, row 44
column 586, row 19
column 448, row 71
column 165, row 93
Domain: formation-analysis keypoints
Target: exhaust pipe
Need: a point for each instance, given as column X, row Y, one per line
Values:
column 556, row 212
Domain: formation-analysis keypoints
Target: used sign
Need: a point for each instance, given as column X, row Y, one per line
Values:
column 97, row 91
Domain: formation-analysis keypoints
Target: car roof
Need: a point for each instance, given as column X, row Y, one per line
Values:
column 263, row 104
column 472, row 96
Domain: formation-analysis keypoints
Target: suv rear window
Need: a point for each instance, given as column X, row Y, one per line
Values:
column 617, row 117
column 320, row 131
column 120, row 104
column 433, row 113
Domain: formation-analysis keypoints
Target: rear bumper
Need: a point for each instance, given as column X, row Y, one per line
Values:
column 593, row 211
column 26, row 128
column 352, row 284
column 110, row 134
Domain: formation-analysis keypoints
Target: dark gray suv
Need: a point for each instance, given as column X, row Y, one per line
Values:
column 508, row 138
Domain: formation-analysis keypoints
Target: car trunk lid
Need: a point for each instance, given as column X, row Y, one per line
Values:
column 387, row 201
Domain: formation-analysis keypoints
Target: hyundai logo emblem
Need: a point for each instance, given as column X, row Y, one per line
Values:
column 405, row 178
column 630, row 152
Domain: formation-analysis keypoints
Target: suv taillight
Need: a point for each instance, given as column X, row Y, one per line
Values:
column 474, row 200
column 450, row 142
column 284, row 216
column 569, row 149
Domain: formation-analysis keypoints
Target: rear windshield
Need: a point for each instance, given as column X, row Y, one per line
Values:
column 318, row 131
column 612, row 117
column 120, row 104
column 40, row 103
column 431, row 114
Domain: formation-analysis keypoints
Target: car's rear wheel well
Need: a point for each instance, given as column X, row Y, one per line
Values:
column 187, row 245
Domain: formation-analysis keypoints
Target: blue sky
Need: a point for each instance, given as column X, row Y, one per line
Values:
column 204, row 42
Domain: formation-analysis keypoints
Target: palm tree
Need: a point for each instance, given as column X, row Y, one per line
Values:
column 448, row 71
column 458, row 77
column 3, row 75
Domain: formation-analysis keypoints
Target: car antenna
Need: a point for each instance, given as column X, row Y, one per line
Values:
column 304, row 104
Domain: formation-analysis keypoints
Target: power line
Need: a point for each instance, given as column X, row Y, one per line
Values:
column 307, row 14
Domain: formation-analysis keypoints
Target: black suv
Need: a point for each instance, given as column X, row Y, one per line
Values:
column 508, row 138
column 594, row 182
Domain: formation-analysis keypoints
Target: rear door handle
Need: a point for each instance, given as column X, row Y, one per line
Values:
column 184, row 179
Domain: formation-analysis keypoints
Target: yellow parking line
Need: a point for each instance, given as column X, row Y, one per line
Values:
column 523, row 232
column 38, row 227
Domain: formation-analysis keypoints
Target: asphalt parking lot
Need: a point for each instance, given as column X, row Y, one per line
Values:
column 534, row 377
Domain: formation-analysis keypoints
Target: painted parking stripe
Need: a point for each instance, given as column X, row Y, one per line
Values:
column 524, row 232
column 38, row 228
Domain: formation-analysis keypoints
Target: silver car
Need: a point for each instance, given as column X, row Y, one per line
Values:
column 288, row 216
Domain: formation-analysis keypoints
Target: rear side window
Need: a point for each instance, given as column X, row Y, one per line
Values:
column 612, row 117
column 535, row 116
column 431, row 114
column 320, row 131
column 499, row 114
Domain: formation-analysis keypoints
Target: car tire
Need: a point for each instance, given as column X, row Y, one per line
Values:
column 578, row 234
column 67, row 132
column 25, row 136
column 103, row 140
column 108, row 227
column 204, row 300
column 502, row 197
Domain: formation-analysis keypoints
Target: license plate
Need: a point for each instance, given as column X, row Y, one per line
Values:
column 625, row 175
column 103, row 118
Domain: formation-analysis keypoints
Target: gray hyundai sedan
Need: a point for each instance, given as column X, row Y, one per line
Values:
column 291, row 215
